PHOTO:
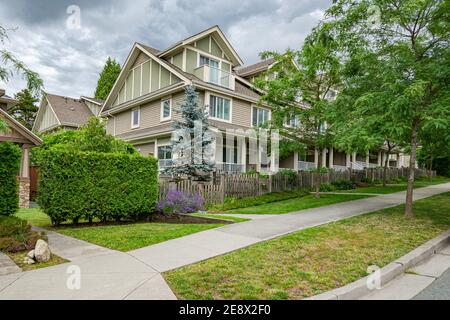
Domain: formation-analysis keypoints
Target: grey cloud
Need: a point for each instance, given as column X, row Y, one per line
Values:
column 69, row 60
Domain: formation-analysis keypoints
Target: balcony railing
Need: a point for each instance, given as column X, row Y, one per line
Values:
column 164, row 163
column 340, row 168
column 216, row 76
column 225, row 167
column 305, row 166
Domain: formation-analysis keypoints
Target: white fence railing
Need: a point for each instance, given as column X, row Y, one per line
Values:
column 305, row 166
column 340, row 168
column 164, row 163
column 358, row 165
column 225, row 167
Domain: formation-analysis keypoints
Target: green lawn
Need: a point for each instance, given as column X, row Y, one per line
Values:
column 391, row 188
column 314, row 260
column 297, row 204
column 122, row 237
column 34, row 217
column 133, row 236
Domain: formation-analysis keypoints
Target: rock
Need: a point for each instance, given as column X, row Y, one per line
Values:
column 30, row 254
column 42, row 251
column 28, row 260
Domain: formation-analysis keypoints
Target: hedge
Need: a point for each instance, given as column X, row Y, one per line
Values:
column 10, row 155
column 78, row 185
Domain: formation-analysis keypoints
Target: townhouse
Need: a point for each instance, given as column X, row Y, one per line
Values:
column 59, row 112
column 141, row 105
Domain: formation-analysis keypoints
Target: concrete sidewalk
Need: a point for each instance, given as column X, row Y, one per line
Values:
column 105, row 274
column 109, row 274
column 428, row 280
column 179, row 252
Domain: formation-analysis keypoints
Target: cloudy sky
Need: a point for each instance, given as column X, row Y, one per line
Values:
column 46, row 36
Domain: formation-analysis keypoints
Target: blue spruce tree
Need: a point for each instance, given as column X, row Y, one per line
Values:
column 192, row 148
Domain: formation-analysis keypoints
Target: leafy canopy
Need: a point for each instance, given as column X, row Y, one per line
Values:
column 11, row 65
column 90, row 137
column 108, row 77
column 25, row 110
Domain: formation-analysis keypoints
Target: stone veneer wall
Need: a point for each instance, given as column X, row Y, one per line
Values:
column 24, row 192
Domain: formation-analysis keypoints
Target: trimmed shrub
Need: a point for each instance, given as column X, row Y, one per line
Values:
column 78, row 185
column 16, row 235
column 327, row 187
column 9, row 169
column 344, row 185
column 179, row 202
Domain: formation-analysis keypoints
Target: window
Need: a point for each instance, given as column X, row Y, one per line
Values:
column 219, row 108
column 166, row 109
column 292, row 121
column 135, row 117
column 164, row 156
column 213, row 71
column 323, row 127
column 259, row 116
column 208, row 61
column 164, row 152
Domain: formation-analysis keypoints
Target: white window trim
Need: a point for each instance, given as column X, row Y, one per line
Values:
column 207, row 101
column 133, row 126
column 162, row 109
column 209, row 57
column 258, row 107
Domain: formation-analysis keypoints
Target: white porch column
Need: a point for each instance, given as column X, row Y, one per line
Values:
column 367, row 160
column 316, row 158
column 244, row 155
column 296, row 161
column 331, row 158
column 324, row 158
column 25, row 162
column 354, row 157
column 398, row 160
column 379, row 158
column 347, row 160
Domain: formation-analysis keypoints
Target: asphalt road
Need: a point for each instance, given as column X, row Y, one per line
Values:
column 438, row 290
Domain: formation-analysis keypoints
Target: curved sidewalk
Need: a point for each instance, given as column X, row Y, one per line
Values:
column 109, row 274
column 207, row 244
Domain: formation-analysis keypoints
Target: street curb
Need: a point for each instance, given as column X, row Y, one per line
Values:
column 357, row 289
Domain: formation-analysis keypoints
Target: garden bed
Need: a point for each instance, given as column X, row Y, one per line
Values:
column 313, row 260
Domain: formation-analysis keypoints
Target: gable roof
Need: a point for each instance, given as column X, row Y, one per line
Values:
column 69, row 111
column 255, row 68
column 4, row 98
column 220, row 38
column 93, row 100
column 22, row 130
column 137, row 48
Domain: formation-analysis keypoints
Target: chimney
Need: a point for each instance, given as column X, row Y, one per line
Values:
column 2, row 92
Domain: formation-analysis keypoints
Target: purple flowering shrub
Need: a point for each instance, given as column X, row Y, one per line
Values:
column 179, row 202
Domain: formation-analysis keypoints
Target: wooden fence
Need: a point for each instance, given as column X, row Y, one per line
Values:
column 247, row 185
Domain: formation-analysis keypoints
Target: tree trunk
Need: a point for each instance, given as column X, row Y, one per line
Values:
column 386, row 162
column 430, row 176
column 412, row 165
